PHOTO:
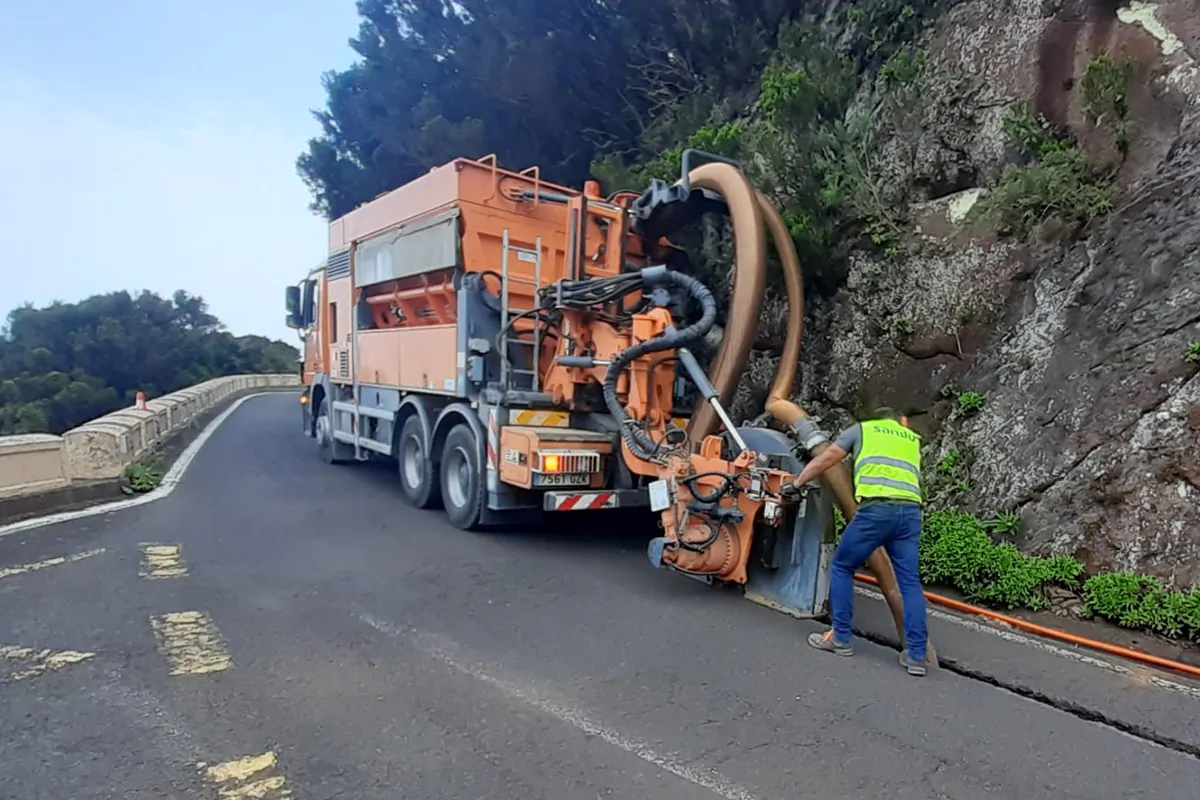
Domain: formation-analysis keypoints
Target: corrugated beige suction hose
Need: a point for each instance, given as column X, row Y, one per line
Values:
column 750, row 282
column 780, row 406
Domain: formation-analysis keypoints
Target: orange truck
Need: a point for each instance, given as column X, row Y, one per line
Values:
column 520, row 348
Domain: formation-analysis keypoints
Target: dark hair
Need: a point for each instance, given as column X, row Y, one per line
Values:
column 885, row 412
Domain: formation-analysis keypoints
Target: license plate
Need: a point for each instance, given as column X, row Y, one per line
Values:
column 562, row 479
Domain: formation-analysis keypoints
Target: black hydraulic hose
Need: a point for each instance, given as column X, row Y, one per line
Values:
column 639, row 443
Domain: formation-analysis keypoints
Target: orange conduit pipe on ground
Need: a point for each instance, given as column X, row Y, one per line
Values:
column 1052, row 633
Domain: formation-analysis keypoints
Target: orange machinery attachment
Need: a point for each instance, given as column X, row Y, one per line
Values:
column 521, row 346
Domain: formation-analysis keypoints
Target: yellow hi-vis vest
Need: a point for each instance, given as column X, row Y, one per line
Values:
column 888, row 466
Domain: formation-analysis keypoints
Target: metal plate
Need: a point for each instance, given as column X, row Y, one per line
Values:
column 561, row 479
column 660, row 495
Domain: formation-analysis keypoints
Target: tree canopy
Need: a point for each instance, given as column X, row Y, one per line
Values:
column 546, row 83
column 68, row 363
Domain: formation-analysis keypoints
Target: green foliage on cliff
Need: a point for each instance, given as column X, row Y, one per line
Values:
column 1057, row 181
column 68, row 363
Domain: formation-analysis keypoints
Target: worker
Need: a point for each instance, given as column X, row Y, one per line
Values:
column 887, row 486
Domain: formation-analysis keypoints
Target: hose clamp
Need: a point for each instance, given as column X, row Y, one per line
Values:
column 809, row 435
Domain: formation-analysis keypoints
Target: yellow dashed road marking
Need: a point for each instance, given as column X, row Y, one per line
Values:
column 49, row 562
column 191, row 643
column 162, row 561
column 233, row 779
column 38, row 661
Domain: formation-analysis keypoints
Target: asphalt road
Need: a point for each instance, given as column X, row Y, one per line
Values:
column 330, row 642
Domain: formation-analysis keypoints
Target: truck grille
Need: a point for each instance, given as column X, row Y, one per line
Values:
column 570, row 461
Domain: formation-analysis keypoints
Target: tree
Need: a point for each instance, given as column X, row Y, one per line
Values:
column 68, row 363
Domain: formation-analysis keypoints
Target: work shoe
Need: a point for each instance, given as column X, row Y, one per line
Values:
column 915, row 668
column 829, row 643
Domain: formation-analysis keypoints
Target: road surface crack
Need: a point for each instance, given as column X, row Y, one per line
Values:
column 1061, row 704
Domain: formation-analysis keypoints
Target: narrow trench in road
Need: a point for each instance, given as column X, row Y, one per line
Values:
column 1066, row 706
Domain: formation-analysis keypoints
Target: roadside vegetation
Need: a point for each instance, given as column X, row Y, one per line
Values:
column 68, row 363
column 145, row 474
column 1056, row 180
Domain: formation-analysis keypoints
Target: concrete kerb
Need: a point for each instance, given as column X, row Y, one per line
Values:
column 165, row 488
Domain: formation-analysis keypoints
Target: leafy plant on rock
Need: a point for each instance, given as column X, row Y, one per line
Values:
column 969, row 403
column 1058, row 181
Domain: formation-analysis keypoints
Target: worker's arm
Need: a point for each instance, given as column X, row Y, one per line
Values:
column 848, row 441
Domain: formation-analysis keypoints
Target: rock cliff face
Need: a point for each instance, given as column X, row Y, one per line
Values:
column 1076, row 338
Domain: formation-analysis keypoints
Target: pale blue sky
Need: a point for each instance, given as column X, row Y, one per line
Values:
column 152, row 144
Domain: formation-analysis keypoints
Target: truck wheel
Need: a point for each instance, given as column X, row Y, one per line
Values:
column 330, row 449
column 419, row 477
column 462, row 479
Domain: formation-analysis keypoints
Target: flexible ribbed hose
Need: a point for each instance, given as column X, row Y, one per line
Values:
column 639, row 443
column 750, row 282
column 780, row 406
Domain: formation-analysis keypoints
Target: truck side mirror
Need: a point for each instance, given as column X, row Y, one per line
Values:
column 308, row 311
column 292, row 304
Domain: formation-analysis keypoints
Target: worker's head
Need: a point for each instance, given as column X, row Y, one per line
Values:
column 886, row 412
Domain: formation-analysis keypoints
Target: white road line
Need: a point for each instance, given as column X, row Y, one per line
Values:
column 439, row 648
column 22, row 569
column 1146, row 674
column 164, row 489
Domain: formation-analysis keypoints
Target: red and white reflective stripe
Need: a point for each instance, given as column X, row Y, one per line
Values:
column 586, row 502
column 493, row 450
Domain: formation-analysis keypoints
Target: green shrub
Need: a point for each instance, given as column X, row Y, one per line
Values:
column 1004, row 524
column 1062, row 183
column 1106, row 87
column 957, row 551
column 145, row 474
column 1031, row 133
column 1058, row 181
column 949, row 464
column 903, row 68
column 1192, row 356
column 969, row 403
column 1138, row 601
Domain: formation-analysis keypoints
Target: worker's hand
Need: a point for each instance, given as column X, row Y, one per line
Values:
column 792, row 490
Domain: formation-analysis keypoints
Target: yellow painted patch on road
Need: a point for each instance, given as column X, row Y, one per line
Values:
column 49, row 562
column 191, row 643
column 243, row 779
column 162, row 561
column 35, row 662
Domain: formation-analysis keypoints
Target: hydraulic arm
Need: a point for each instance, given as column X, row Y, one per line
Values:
column 722, row 500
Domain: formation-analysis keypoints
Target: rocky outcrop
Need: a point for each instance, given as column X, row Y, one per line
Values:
column 1076, row 339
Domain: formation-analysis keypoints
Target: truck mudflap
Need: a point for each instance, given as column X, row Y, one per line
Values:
column 594, row 500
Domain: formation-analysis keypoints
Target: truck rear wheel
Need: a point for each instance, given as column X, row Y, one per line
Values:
column 462, row 479
column 419, row 478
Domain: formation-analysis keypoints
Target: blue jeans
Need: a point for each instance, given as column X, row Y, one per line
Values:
column 896, row 527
